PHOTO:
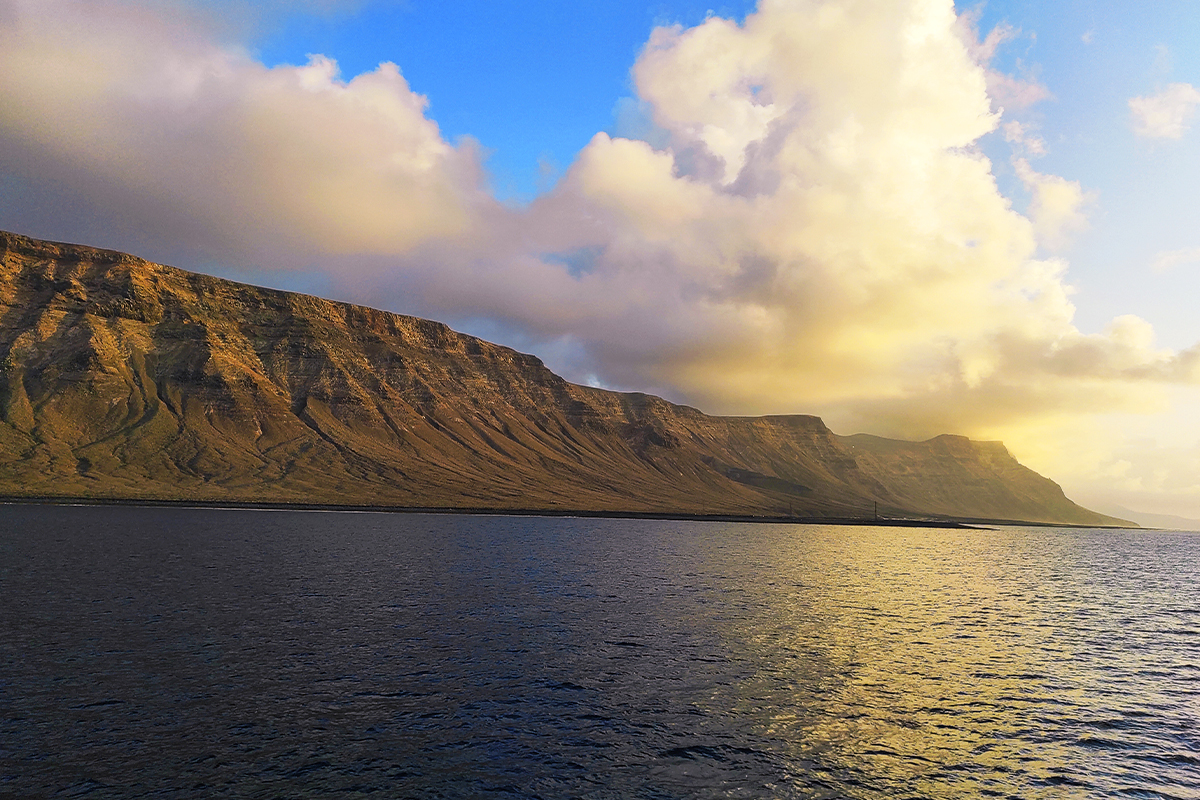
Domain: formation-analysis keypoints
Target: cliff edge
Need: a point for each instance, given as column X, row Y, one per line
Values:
column 124, row 379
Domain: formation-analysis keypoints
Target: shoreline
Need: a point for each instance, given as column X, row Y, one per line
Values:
column 235, row 505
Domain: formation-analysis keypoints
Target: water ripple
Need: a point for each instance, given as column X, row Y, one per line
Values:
column 174, row 653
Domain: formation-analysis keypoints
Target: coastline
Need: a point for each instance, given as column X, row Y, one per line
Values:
column 897, row 522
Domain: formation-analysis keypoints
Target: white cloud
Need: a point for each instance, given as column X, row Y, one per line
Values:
column 846, row 250
column 197, row 142
column 1166, row 115
column 1169, row 259
column 1021, row 135
column 1057, row 207
column 1163, row 60
column 1011, row 92
column 1007, row 91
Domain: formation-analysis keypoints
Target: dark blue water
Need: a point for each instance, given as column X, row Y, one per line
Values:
column 188, row 653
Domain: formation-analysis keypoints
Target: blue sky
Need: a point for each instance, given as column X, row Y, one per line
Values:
column 753, row 209
column 1093, row 57
column 531, row 81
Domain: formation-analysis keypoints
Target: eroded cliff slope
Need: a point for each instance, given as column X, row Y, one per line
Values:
column 120, row 378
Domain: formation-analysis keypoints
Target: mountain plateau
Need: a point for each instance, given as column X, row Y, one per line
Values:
column 121, row 379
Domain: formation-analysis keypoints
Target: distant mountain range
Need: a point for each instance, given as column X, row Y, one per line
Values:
column 1171, row 522
column 124, row 379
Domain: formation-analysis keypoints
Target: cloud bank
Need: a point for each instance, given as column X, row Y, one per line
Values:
column 1166, row 115
column 201, row 151
column 808, row 225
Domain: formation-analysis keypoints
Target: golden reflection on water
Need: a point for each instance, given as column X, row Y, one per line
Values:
column 951, row 663
column 421, row 656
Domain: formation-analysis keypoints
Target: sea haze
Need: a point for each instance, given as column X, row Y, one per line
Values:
column 181, row 653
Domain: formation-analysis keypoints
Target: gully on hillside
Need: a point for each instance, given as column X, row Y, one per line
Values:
column 125, row 379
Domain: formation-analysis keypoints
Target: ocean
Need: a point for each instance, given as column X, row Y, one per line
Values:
column 178, row 653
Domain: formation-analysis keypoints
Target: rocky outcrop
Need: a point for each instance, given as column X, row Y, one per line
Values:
column 120, row 378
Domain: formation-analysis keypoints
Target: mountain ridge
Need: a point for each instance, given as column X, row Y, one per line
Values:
column 121, row 378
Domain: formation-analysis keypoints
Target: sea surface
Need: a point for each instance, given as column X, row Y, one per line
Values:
column 179, row 653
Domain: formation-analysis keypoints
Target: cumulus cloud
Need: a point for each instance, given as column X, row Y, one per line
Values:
column 811, row 230
column 189, row 141
column 807, row 225
column 1057, row 207
column 1166, row 115
column 822, row 232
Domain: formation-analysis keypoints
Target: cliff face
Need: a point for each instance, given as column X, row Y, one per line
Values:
column 122, row 378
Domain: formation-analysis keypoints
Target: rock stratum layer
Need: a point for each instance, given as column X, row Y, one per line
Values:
column 124, row 379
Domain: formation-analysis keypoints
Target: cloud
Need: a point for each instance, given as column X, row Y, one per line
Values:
column 1057, row 205
column 1015, row 93
column 1169, row 259
column 188, row 141
column 813, row 231
column 1166, row 115
column 1138, row 462
column 808, row 224
column 1163, row 60
column 1007, row 91
column 1021, row 135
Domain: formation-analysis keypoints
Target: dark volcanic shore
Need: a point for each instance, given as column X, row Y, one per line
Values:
column 504, row 512
column 126, row 380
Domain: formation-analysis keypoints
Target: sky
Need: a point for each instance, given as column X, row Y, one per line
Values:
column 910, row 217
